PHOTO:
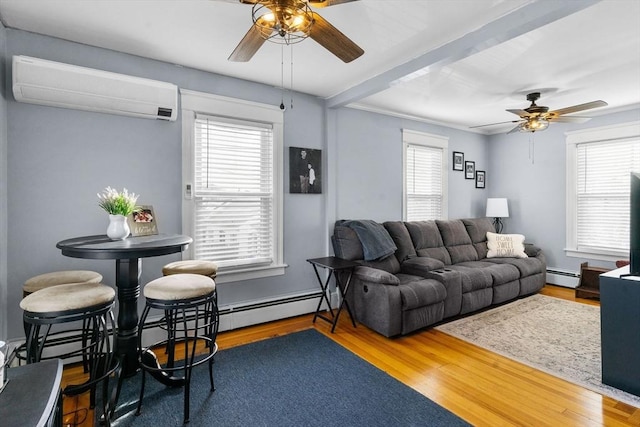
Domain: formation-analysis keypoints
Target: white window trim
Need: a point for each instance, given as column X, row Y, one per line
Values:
column 599, row 134
column 427, row 140
column 198, row 102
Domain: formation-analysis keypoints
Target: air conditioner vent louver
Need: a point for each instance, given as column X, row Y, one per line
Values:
column 43, row 82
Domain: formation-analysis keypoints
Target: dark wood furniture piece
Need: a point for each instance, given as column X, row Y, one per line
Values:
column 334, row 265
column 619, row 327
column 128, row 254
column 589, row 286
column 32, row 395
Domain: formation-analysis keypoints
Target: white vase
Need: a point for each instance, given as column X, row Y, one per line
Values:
column 118, row 227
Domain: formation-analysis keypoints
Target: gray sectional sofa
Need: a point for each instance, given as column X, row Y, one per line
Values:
column 439, row 270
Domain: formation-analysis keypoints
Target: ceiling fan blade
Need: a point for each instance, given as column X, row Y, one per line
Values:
column 322, row 3
column 569, row 119
column 248, row 46
column 333, row 40
column 520, row 113
column 580, row 107
column 493, row 124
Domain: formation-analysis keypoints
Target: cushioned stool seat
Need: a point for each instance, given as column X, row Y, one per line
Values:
column 191, row 316
column 90, row 303
column 69, row 297
column 192, row 266
column 59, row 278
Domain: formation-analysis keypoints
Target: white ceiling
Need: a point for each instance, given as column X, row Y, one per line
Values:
column 456, row 62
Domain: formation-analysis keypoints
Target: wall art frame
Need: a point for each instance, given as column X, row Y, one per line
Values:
column 469, row 170
column 305, row 170
column 458, row 161
column 480, row 179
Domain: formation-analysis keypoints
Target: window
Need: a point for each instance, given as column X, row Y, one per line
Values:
column 599, row 162
column 425, row 176
column 232, row 168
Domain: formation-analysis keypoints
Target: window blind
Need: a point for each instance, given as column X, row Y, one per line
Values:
column 603, row 187
column 423, row 182
column 233, row 191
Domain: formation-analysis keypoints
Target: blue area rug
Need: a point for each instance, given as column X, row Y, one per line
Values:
column 302, row 379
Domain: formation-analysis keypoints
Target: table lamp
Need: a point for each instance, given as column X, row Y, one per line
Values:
column 497, row 209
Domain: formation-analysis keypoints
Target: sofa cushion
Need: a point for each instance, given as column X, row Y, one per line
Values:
column 389, row 264
column 505, row 245
column 426, row 238
column 402, row 239
column 346, row 244
column 419, row 292
column 473, row 279
column 477, row 229
column 526, row 266
column 457, row 241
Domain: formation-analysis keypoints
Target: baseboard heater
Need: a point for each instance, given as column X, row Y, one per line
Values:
column 231, row 317
column 566, row 278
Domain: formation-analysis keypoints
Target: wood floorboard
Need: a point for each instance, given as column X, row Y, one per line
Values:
column 481, row 387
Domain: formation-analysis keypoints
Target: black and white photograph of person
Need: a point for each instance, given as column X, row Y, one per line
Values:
column 305, row 170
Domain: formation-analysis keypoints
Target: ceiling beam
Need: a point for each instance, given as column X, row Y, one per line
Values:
column 521, row 21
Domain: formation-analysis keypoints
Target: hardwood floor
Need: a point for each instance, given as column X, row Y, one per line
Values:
column 482, row 387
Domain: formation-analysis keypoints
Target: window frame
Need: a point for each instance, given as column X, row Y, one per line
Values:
column 613, row 133
column 416, row 138
column 219, row 106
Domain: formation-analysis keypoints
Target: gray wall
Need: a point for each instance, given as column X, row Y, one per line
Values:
column 369, row 166
column 3, row 187
column 536, row 187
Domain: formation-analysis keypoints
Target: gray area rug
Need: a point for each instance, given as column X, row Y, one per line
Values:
column 556, row 336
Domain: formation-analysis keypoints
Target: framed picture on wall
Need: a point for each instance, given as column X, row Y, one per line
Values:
column 305, row 170
column 458, row 161
column 470, row 170
column 143, row 221
column 480, row 179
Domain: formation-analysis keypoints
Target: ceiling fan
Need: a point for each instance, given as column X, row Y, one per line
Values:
column 291, row 21
column 536, row 118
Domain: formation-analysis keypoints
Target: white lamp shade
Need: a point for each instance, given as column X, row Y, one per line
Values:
column 497, row 208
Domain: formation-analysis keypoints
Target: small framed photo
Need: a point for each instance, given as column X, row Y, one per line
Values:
column 458, row 161
column 470, row 170
column 480, row 179
column 143, row 221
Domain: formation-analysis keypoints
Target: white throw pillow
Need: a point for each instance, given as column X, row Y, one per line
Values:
column 505, row 245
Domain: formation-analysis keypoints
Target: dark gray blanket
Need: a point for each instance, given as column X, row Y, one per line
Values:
column 374, row 238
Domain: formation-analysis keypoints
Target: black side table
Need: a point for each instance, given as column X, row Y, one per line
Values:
column 334, row 265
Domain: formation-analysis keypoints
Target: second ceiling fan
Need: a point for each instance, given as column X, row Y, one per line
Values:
column 290, row 21
column 537, row 117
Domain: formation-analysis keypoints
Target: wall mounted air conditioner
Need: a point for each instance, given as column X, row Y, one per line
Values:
column 39, row 81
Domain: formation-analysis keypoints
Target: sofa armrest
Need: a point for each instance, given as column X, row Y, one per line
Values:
column 532, row 250
column 421, row 265
column 374, row 275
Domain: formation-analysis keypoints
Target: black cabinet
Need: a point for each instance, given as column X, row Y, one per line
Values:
column 32, row 395
column 620, row 329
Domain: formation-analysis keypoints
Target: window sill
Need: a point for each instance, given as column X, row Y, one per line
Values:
column 611, row 256
column 250, row 273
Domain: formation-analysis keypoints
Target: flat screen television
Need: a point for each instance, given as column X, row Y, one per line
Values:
column 634, row 226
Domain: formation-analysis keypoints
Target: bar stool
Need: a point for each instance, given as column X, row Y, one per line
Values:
column 191, row 316
column 57, row 278
column 192, row 266
column 91, row 303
